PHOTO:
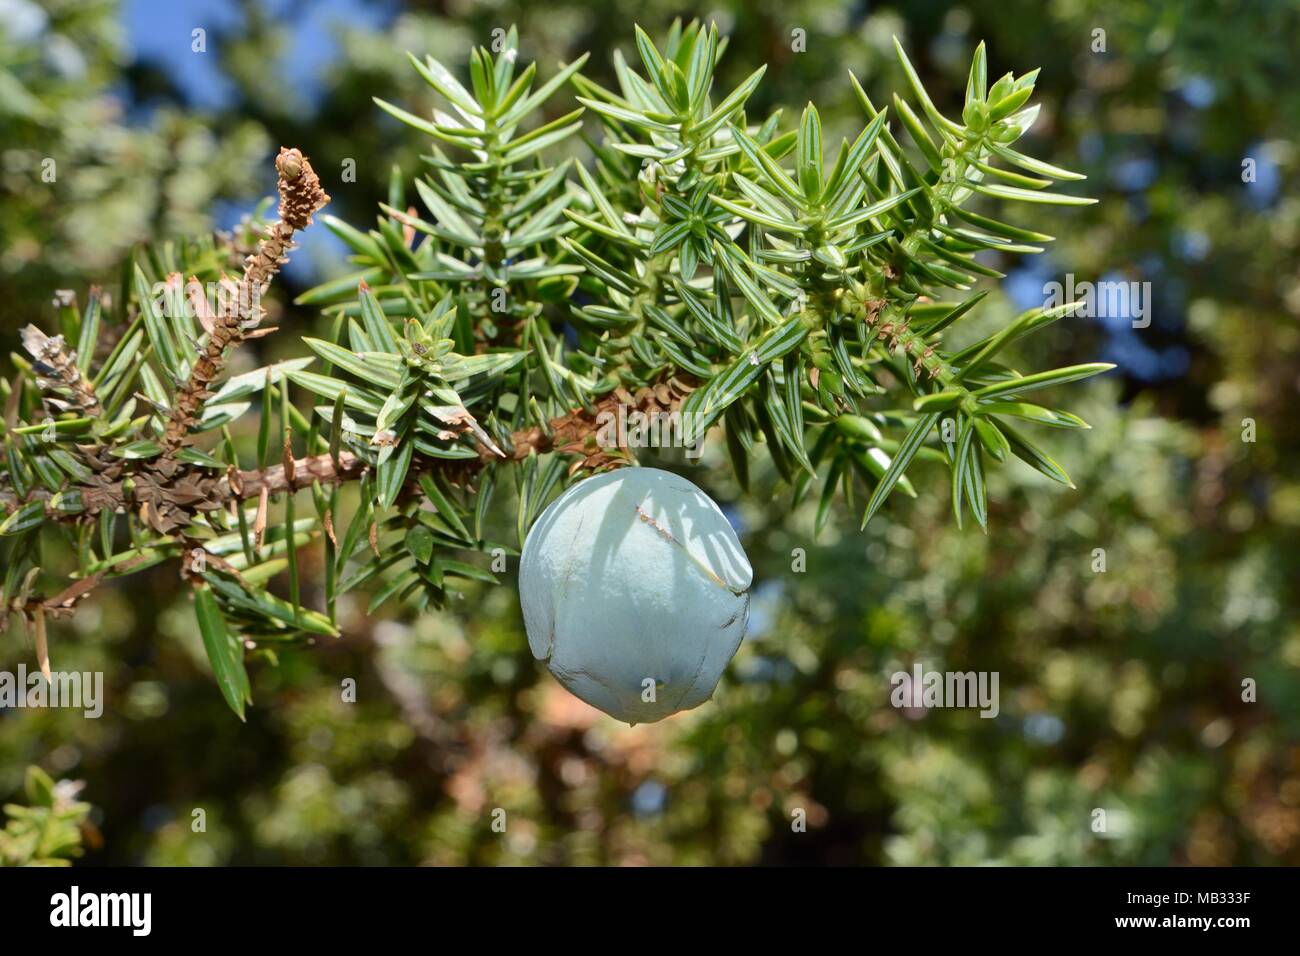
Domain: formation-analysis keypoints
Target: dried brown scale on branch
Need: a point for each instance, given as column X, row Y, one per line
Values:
column 301, row 196
column 896, row 335
column 57, row 369
column 575, row 433
column 872, row 310
column 922, row 362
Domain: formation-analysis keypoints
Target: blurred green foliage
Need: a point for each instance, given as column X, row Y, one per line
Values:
column 48, row 830
column 1121, row 690
column 81, row 182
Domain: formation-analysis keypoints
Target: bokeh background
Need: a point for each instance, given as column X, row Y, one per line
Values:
column 1120, row 690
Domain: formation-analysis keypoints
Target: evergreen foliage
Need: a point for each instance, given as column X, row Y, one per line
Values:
column 699, row 260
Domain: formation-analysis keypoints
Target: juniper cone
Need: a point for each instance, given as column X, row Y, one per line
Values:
column 635, row 592
column 792, row 299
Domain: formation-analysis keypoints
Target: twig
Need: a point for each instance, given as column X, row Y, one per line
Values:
column 57, row 368
column 301, row 196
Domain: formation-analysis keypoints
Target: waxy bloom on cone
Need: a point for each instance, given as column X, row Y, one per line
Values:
column 635, row 591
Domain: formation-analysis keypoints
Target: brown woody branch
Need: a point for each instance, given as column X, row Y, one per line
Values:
column 301, row 196
column 572, row 434
column 171, row 494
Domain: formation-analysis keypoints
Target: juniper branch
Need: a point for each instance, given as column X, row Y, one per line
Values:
column 185, row 495
column 301, row 196
column 690, row 271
